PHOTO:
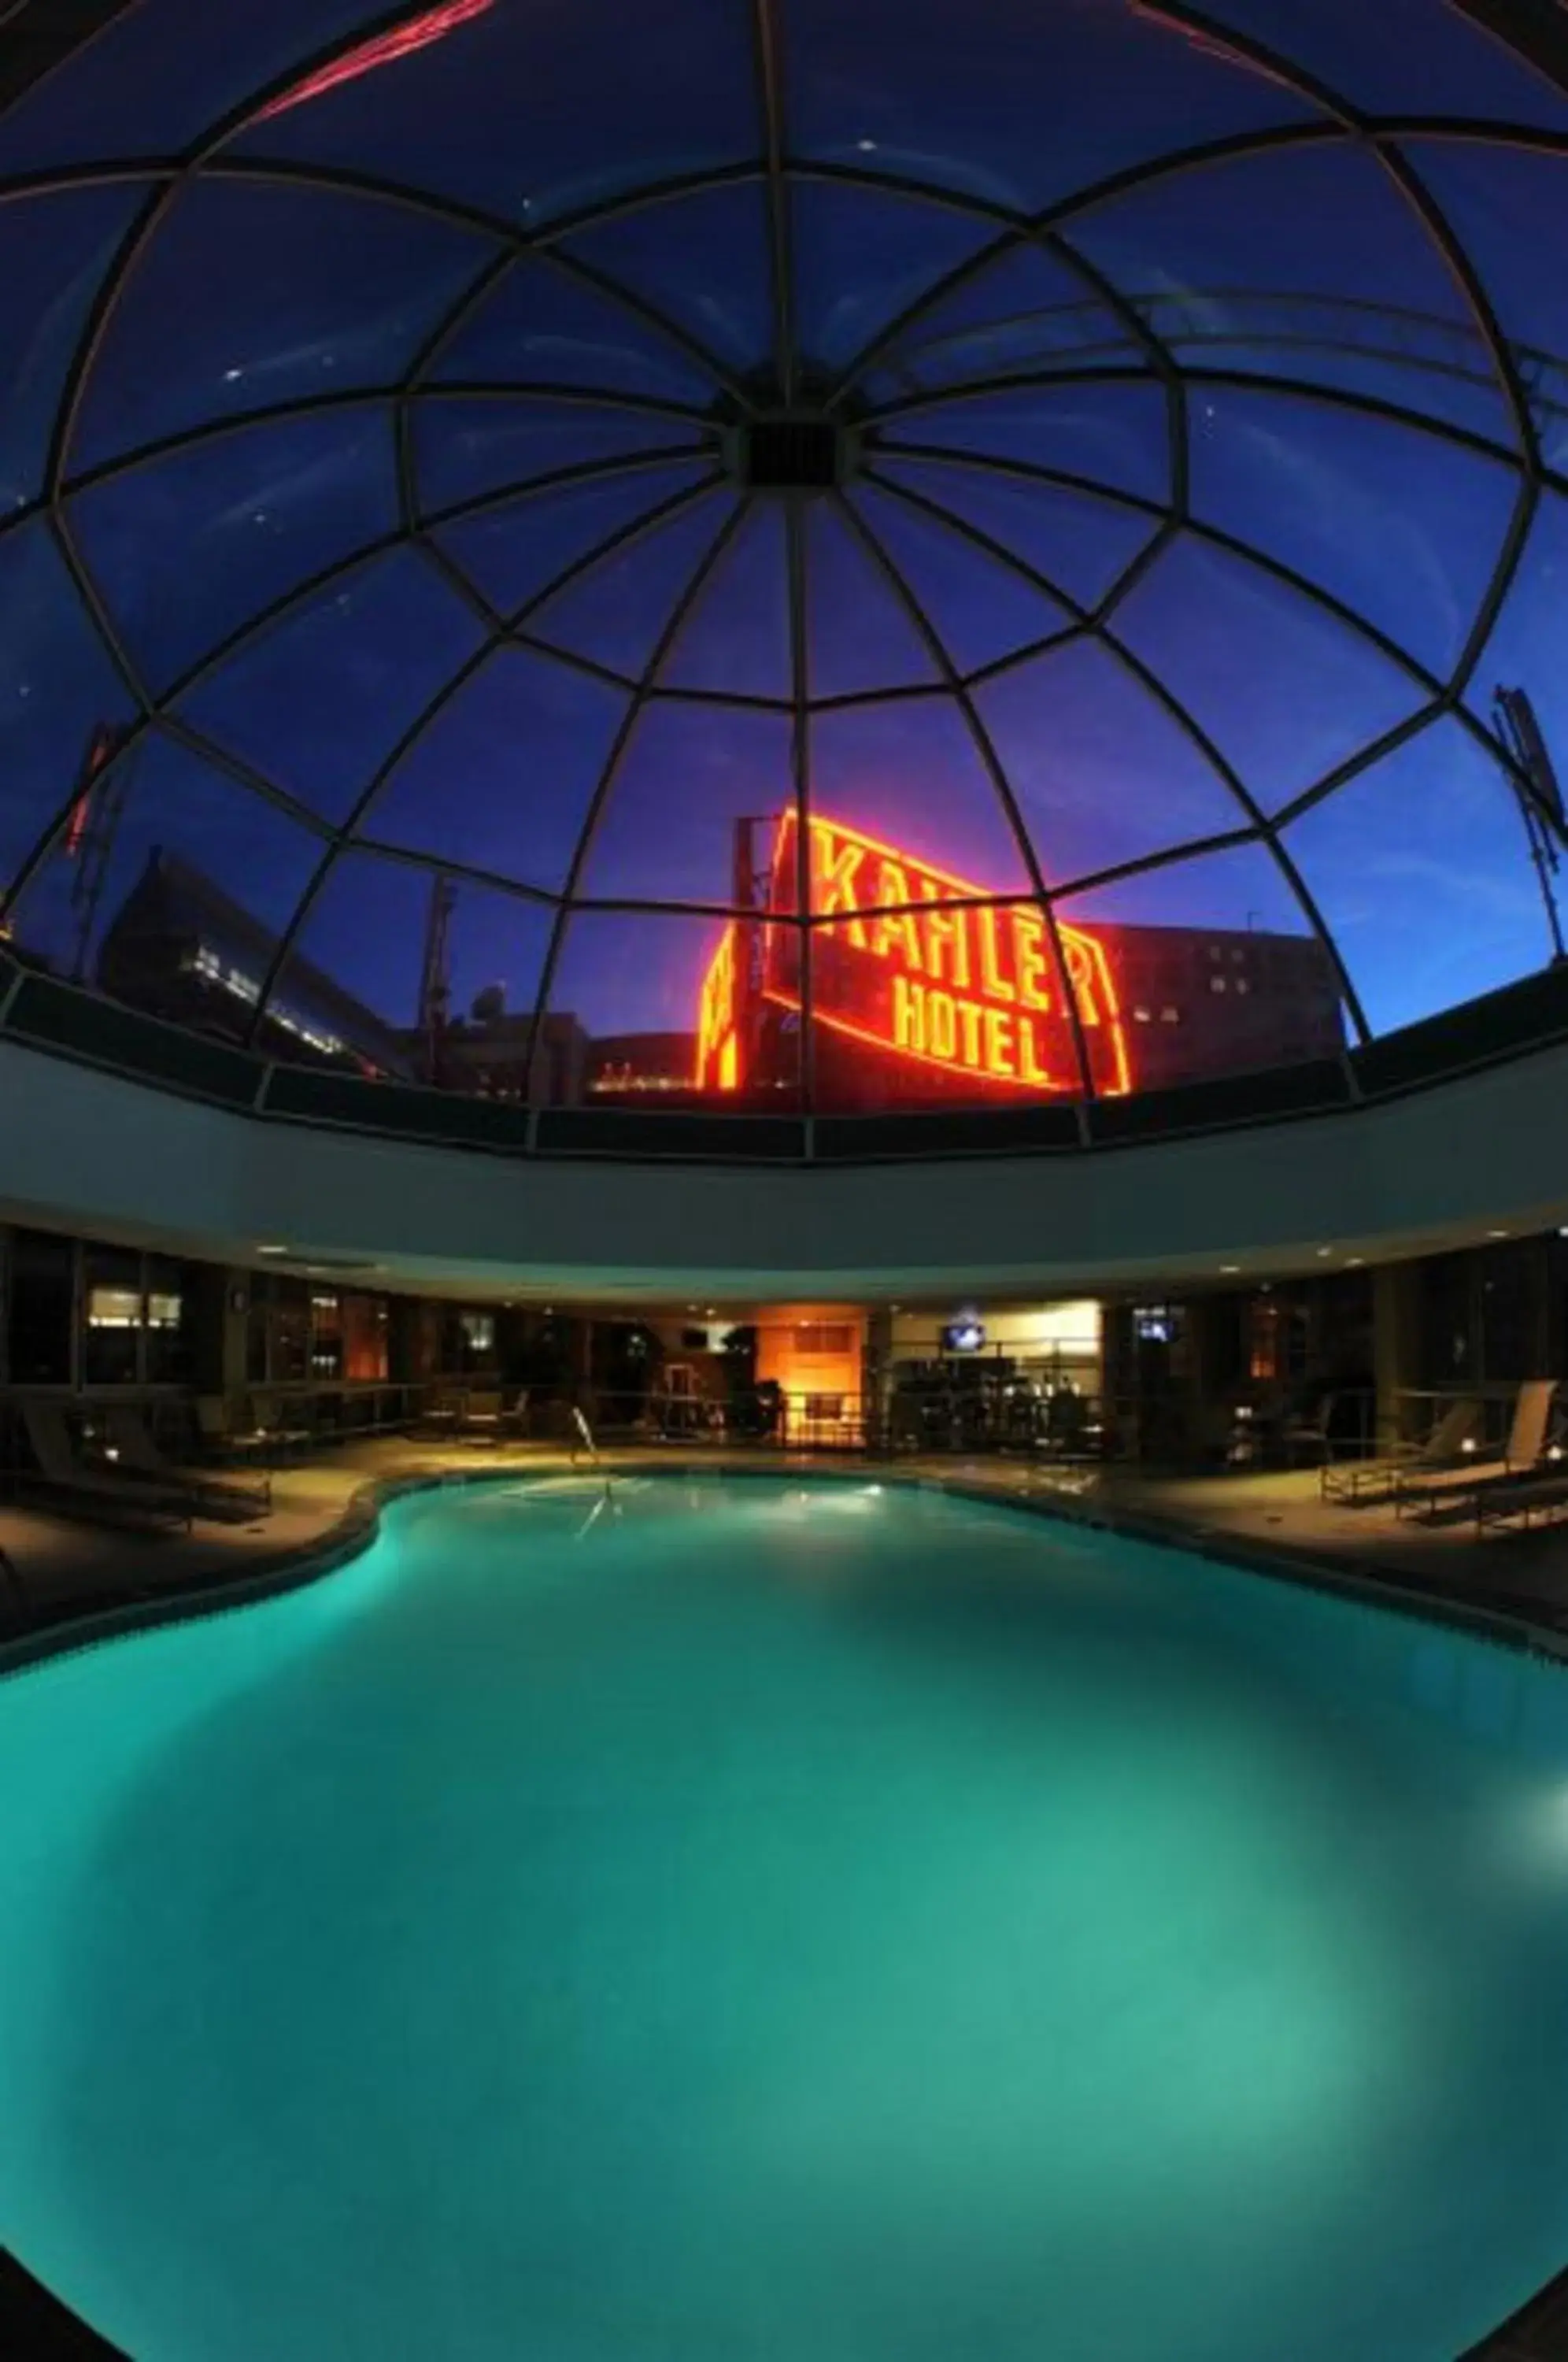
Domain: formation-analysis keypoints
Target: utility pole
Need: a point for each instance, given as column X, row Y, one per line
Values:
column 1534, row 782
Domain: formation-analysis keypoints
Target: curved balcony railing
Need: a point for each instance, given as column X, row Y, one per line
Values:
column 41, row 1012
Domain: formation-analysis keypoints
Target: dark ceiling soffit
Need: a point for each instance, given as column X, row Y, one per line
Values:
column 1538, row 29
column 37, row 34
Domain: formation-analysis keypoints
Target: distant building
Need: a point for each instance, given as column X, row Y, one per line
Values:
column 182, row 949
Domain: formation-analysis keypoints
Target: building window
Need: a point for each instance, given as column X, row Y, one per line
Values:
column 40, row 1325
column 1170, row 1017
column 1216, row 983
column 112, row 1311
column 326, row 1335
column 167, row 1332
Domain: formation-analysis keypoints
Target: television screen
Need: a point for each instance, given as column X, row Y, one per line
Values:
column 963, row 1337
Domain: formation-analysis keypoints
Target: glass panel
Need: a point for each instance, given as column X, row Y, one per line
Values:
column 1028, row 103
column 542, row 326
column 39, row 1322
column 981, row 607
column 1026, row 310
column 1401, row 57
column 514, row 552
column 940, row 1005
column 302, row 293
column 1301, row 221
column 57, row 683
column 859, row 635
column 1310, row 263
column 464, row 450
column 502, row 776
column 1114, row 433
column 737, row 636
column 1080, row 543
column 1510, row 207
column 111, row 1315
column 321, row 696
column 178, row 882
column 1102, row 773
column 649, row 1009
column 170, row 1340
column 191, row 546
column 1528, row 645
column 703, row 259
column 1398, row 523
column 53, row 253
column 1214, row 969
column 861, row 255
column 123, row 76
column 1285, row 690
column 1422, row 869
column 349, row 992
column 557, row 107
column 1435, row 369
column 496, row 949
column 909, row 775
column 616, row 612
column 693, row 812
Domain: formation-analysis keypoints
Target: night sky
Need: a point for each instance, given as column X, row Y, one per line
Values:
column 1274, row 403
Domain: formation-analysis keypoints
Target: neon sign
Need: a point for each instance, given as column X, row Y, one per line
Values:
column 899, row 965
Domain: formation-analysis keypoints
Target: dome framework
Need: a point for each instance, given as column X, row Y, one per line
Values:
column 475, row 581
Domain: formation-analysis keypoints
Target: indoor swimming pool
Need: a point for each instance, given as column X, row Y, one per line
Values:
column 745, row 1921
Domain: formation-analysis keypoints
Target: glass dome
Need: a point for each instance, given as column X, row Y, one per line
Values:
column 843, row 554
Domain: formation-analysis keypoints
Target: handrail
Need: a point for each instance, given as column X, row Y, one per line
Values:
column 583, row 1428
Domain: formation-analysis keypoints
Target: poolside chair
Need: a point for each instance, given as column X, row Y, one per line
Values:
column 136, row 1454
column 1356, row 1482
column 482, row 1419
column 1424, row 1492
column 64, row 1484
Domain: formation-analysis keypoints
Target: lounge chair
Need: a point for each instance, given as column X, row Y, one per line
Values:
column 1521, row 1501
column 65, row 1484
column 135, row 1451
column 1359, row 1480
column 1426, row 1492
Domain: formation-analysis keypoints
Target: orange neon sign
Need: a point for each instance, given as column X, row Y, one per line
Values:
column 898, row 963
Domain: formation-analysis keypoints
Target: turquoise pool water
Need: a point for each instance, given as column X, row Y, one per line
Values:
column 784, row 1924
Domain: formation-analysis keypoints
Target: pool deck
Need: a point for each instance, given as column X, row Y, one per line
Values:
column 67, row 1575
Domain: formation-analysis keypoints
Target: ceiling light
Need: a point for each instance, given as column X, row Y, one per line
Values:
column 1229, row 1270
column 1354, row 1262
column 1324, row 1251
column 1497, row 1234
column 272, row 1250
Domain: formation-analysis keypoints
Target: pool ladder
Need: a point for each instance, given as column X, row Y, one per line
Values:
column 586, row 1432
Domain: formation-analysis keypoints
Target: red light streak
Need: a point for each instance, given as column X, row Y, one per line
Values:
column 402, row 41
